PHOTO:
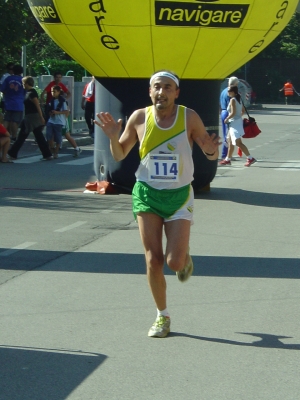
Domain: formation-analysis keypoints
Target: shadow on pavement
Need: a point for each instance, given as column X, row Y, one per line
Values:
column 60, row 201
column 120, row 263
column 91, row 204
column 35, row 374
column 267, row 340
column 249, row 197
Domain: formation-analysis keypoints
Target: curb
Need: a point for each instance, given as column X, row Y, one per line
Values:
column 81, row 141
column 255, row 107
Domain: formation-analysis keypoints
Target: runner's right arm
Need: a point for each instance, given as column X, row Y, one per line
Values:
column 120, row 146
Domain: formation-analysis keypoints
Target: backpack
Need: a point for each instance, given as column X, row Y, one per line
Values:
column 50, row 106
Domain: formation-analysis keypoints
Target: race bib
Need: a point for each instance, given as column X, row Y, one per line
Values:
column 163, row 167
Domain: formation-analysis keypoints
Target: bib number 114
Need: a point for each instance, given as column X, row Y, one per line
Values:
column 164, row 167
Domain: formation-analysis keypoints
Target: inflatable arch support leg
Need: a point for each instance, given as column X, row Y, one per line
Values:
column 121, row 97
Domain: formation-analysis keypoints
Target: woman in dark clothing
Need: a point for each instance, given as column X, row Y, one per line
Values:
column 32, row 122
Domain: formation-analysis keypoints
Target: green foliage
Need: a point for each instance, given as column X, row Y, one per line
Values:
column 287, row 44
column 18, row 25
column 41, row 46
column 53, row 65
column 21, row 28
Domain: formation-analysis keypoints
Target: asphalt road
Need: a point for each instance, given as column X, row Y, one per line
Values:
column 75, row 305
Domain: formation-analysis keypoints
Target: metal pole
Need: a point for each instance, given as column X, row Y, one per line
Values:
column 23, row 60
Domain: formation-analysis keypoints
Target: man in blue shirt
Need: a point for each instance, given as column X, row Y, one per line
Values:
column 14, row 93
column 9, row 68
column 224, row 101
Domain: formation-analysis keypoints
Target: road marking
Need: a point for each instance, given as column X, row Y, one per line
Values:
column 13, row 250
column 240, row 167
column 79, row 161
column 33, row 159
column 69, row 227
column 290, row 166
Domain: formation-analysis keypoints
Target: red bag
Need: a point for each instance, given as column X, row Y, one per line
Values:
column 250, row 128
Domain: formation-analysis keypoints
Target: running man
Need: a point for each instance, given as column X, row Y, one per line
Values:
column 163, row 195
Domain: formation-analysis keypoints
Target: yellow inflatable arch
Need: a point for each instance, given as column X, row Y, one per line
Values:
column 205, row 39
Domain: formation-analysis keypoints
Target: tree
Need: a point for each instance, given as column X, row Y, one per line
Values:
column 18, row 25
column 287, row 44
column 41, row 46
column 43, row 52
column 20, row 28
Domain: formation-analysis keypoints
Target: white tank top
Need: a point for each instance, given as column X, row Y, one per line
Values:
column 238, row 110
column 166, row 154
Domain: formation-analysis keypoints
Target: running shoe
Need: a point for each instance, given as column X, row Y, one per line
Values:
column 77, row 152
column 47, row 158
column 225, row 162
column 250, row 162
column 187, row 271
column 160, row 328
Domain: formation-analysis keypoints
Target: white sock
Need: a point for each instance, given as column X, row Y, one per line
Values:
column 77, row 148
column 227, row 159
column 163, row 313
column 249, row 157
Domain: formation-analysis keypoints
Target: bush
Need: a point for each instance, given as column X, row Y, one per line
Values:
column 52, row 66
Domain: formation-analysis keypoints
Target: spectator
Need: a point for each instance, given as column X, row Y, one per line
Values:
column 47, row 91
column 66, row 132
column 4, row 144
column 289, row 90
column 224, row 101
column 57, row 119
column 88, row 105
column 236, row 130
column 14, row 93
column 33, row 122
column 9, row 68
column 9, row 71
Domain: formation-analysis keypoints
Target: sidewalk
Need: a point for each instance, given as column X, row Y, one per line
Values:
column 30, row 147
column 81, row 138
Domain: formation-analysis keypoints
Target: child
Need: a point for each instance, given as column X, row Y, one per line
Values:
column 66, row 132
column 57, row 120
